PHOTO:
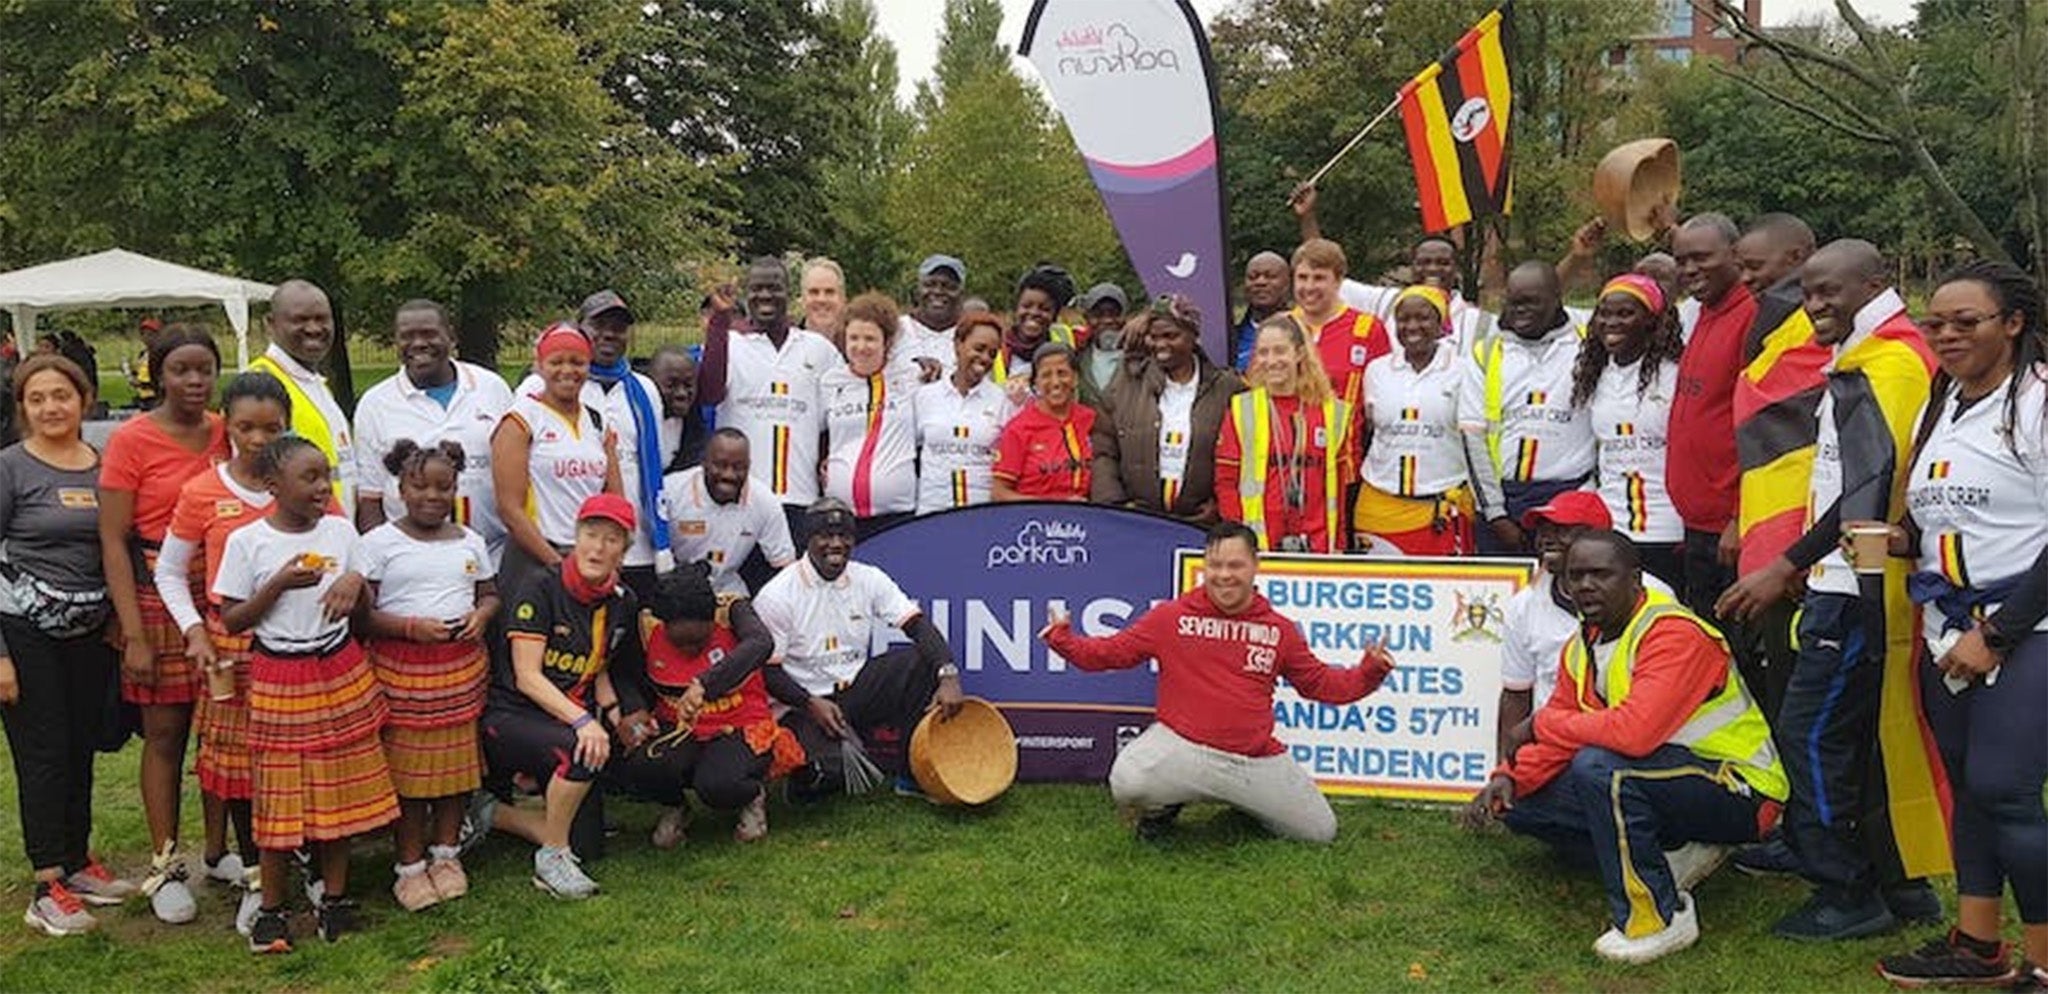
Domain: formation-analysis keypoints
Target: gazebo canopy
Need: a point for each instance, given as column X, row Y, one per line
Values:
column 119, row 278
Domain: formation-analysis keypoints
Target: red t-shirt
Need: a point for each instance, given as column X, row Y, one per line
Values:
column 142, row 460
column 1216, row 670
column 1700, row 473
column 1042, row 456
column 670, row 671
column 1347, row 344
column 1311, row 517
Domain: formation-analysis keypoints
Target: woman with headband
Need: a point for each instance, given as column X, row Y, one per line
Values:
column 549, row 454
column 1626, row 376
column 1417, row 493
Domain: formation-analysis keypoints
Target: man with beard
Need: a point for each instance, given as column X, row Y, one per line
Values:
column 822, row 611
column 1100, row 344
column 683, row 429
column 720, row 515
column 1519, row 383
column 925, row 333
column 1266, row 286
column 301, row 328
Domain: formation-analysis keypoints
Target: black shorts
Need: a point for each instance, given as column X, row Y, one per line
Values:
column 521, row 739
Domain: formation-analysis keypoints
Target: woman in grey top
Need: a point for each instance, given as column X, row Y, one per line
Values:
column 55, row 665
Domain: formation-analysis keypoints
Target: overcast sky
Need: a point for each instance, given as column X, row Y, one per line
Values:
column 914, row 25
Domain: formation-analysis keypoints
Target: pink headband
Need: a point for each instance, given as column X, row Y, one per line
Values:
column 560, row 337
column 1645, row 290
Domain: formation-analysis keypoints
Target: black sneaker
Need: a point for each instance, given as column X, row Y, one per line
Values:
column 271, row 933
column 1156, row 825
column 1828, row 918
column 1766, row 858
column 2032, row 979
column 1946, row 962
column 336, row 917
column 1915, row 903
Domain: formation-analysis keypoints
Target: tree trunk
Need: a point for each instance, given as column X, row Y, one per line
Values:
column 476, row 328
column 341, row 376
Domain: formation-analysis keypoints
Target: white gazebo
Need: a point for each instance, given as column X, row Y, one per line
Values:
column 120, row 278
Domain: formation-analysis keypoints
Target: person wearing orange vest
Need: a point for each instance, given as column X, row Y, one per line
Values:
column 301, row 328
column 1287, row 453
column 1650, row 740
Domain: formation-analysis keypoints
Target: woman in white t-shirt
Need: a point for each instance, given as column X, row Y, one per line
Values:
column 431, row 593
column 314, row 708
column 871, row 419
column 1416, row 492
column 1627, row 376
column 548, row 456
column 959, row 420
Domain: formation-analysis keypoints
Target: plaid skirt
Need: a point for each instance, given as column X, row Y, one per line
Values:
column 223, row 726
column 431, row 684
column 322, row 795
column 427, row 763
column 176, row 680
column 313, row 703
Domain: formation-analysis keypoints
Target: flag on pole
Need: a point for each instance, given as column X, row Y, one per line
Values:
column 1456, row 114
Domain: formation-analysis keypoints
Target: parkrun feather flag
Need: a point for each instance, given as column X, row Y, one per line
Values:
column 1456, row 114
column 1133, row 79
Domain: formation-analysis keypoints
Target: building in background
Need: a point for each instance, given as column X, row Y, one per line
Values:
column 1687, row 30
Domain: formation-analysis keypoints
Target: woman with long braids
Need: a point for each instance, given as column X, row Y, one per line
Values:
column 1977, row 524
column 1627, row 375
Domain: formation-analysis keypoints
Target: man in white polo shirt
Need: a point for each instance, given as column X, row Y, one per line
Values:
column 926, row 331
column 432, row 398
column 718, row 514
column 301, row 329
column 822, row 611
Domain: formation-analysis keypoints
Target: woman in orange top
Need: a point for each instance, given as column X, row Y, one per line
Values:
column 1286, row 455
column 1044, row 453
column 147, row 462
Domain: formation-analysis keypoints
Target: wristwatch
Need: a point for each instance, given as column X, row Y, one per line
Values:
column 949, row 671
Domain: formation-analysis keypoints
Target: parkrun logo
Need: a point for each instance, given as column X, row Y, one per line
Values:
column 1116, row 50
column 1043, row 543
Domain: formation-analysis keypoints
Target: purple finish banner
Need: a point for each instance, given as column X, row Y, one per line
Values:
column 989, row 576
column 1134, row 81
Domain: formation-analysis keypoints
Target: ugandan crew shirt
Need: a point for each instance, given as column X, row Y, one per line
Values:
column 723, row 535
column 1631, row 426
column 1700, row 474
column 1539, row 435
column 616, row 409
column 871, row 425
column 1980, row 494
column 1176, row 424
column 824, row 629
column 565, row 465
column 776, row 398
column 914, row 341
column 1416, row 448
column 579, row 642
column 1469, row 322
column 397, row 409
column 956, row 438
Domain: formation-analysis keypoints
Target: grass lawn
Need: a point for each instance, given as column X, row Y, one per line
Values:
column 1044, row 891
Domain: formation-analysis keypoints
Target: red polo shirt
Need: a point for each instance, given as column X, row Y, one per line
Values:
column 1701, row 470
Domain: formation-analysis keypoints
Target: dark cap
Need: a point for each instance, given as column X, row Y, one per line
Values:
column 1100, row 292
column 829, row 515
column 600, row 302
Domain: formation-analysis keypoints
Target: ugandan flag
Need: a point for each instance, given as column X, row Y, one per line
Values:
column 1456, row 112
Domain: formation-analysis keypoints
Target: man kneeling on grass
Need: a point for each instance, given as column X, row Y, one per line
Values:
column 1220, row 649
column 1649, row 740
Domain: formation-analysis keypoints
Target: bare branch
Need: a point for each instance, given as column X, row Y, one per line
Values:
column 1788, row 50
column 1815, row 114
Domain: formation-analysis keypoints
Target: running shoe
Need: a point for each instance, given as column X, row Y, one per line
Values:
column 559, row 872
column 753, row 823
column 1683, row 931
column 671, row 828
column 1694, row 862
column 336, row 917
column 1948, row 962
column 95, row 884
column 270, row 933
column 476, row 821
column 58, row 912
column 169, row 897
column 228, row 869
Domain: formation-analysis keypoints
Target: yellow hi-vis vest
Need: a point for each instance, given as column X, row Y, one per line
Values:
column 1487, row 353
column 1252, row 413
column 1728, row 728
column 1060, row 333
column 307, row 421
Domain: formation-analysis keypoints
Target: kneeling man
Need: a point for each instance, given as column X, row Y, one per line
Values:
column 1220, row 649
column 1650, row 740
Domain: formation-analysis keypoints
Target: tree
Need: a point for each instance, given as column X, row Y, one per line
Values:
column 970, row 43
column 856, row 184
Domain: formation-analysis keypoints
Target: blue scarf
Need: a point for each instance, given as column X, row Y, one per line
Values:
column 647, row 428
column 1958, row 605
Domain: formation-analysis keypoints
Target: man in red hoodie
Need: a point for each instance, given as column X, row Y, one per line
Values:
column 1221, row 647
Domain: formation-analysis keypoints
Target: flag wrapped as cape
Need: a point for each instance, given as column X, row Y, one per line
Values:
column 1456, row 114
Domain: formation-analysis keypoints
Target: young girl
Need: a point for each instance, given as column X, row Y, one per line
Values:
column 314, row 707
column 211, row 507
column 431, row 591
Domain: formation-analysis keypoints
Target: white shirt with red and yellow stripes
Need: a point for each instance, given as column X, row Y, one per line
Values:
column 1176, row 424
column 1629, row 430
column 871, row 428
column 775, row 397
column 1416, row 449
column 956, row 438
column 1979, row 494
column 565, row 465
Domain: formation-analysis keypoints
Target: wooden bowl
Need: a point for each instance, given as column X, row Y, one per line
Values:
column 969, row 760
column 1633, row 181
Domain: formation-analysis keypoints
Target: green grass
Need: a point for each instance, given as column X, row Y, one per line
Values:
column 1043, row 891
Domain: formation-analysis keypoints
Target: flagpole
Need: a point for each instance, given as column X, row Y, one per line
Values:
column 1348, row 146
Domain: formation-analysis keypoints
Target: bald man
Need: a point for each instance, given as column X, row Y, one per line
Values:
column 1266, row 285
column 301, row 329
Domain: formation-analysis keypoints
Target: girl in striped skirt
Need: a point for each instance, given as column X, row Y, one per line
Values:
column 432, row 592
column 314, row 707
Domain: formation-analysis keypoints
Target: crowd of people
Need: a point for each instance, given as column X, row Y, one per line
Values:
column 467, row 606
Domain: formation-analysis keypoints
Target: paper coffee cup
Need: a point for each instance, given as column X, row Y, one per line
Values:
column 1869, row 547
column 220, row 681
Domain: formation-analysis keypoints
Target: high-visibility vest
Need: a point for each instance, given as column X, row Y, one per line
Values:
column 1487, row 353
column 1057, row 333
column 307, row 421
column 1252, row 414
column 1727, row 728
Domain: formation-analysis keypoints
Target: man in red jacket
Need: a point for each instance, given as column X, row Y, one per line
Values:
column 1221, row 647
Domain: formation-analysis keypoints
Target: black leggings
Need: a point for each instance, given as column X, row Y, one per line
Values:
column 725, row 772
column 1995, row 744
column 883, row 704
column 51, row 732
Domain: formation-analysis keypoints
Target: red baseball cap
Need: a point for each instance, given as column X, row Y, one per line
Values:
column 607, row 507
column 1580, row 508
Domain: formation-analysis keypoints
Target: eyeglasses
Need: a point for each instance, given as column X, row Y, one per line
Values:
column 1935, row 324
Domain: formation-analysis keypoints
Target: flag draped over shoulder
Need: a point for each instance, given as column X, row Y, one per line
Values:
column 1456, row 114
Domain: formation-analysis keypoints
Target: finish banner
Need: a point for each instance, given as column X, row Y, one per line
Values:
column 989, row 576
column 1134, row 80
column 1428, row 733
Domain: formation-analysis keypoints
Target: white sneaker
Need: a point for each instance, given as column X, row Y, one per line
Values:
column 670, row 830
column 1683, row 931
column 245, row 916
column 1694, row 862
column 229, row 870
column 169, row 898
column 753, row 823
